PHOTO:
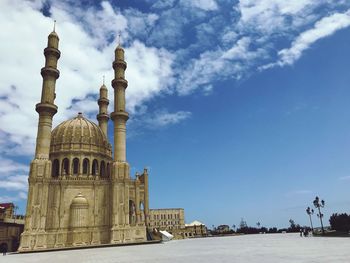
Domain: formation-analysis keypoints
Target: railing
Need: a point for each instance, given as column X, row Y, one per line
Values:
column 78, row 177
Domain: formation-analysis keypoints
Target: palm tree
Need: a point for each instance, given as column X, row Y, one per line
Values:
column 310, row 212
column 258, row 224
column 318, row 205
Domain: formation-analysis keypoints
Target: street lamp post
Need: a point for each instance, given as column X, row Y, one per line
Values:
column 310, row 212
column 318, row 205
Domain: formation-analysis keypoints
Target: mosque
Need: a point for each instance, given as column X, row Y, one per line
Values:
column 80, row 192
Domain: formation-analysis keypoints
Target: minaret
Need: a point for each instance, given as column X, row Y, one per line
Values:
column 119, row 116
column 46, row 108
column 33, row 236
column 103, row 102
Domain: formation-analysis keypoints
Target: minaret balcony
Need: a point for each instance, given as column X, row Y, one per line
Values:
column 102, row 116
column 102, row 101
column 52, row 51
column 46, row 107
column 49, row 71
column 118, row 63
column 119, row 82
column 119, row 115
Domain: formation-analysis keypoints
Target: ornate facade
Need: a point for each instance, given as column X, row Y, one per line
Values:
column 79, row 193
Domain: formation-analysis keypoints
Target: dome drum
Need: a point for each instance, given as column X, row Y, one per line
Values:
column 79, row 148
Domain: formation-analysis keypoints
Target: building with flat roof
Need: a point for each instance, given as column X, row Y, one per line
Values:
column 167, row 218
column 11, row 227
column 172, row 220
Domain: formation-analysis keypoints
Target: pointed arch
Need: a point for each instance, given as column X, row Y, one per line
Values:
column 102, row 169
column 86, row 166
column 142, row 211
column 75, row 166
column 65, row 166
column 55, row 168
column 108, row 170
column 94, row 167
column 132, row 212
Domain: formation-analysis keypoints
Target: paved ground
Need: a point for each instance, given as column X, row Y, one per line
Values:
column 273, row 248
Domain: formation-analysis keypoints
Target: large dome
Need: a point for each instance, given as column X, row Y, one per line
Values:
column 79, row 135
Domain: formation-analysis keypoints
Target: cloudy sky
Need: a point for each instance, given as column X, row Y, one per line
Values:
column 239, row 108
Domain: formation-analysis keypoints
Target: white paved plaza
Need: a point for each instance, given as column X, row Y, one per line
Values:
column 273, row 248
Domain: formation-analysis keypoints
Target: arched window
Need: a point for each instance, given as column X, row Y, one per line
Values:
column 75, row 166
column 108, row 170
column 86, row 166
column 65, row 166
column 103, row 169
column 142, row 211
column 94, row 167
column 55, row 168
column 132, row 215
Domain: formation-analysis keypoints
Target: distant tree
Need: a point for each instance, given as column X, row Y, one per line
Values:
column 272, row 230
column 293, row 227
column 292, row 223
column 264, row 230
column 242, row 224
column 258, row 224
column 234, row 227
column 340, row 222
column 310, row 212
column 318, row 204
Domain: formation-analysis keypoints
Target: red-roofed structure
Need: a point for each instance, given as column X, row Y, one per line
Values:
column 6, row 205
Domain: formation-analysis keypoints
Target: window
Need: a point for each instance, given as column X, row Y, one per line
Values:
column 55, row 168
column 86, row 166
column 75, row 166
column 65, row 166
column 103, row 169
column 94, row 167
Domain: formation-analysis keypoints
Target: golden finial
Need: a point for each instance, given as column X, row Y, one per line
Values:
column 54, row 25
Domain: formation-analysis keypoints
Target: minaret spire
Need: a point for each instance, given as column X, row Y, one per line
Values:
column 46, row 107
column 119, row 39
column 103, row 102
column 54, row 25
column 119, row 116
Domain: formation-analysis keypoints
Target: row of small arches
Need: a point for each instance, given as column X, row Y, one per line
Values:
column 65, row 168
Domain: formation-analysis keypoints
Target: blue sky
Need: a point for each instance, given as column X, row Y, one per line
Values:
column 239, row 108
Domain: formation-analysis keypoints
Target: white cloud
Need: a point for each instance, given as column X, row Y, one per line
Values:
column 158, row 119
column 207, row 5
column 224, row 45
column 149, row 73
column 87, row 48
column 15, row 183
column 323, row 28
column 271, row 15
column 8, row 166
column 13, row 198
column 223, row 64
column 164, row 118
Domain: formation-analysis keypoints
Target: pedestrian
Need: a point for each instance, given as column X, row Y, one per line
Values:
column 301, row 232
column 3, row 249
